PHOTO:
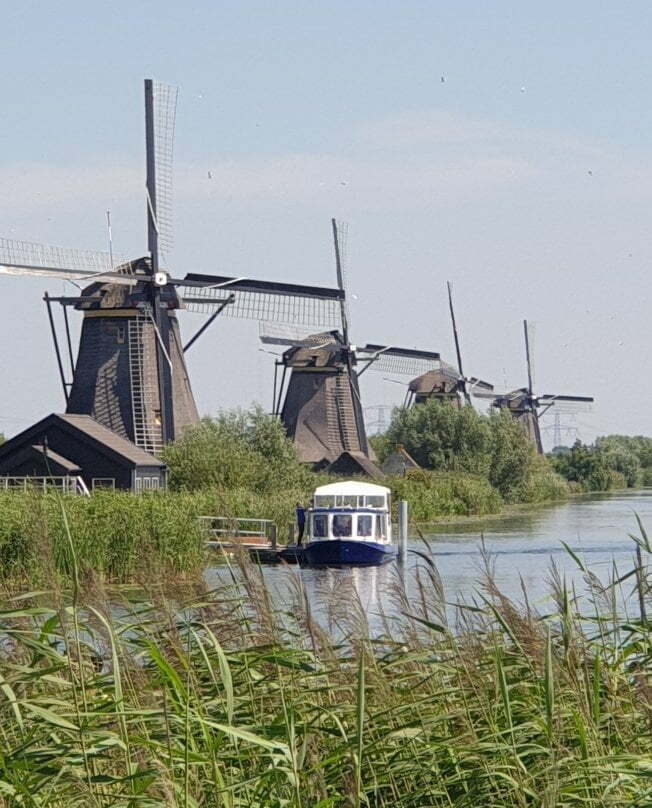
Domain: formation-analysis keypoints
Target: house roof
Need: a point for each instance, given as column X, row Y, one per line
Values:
column 350, row 462
column 104, row 439
column 398, row 461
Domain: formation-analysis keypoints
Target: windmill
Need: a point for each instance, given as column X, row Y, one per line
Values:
column 446, row 383
column 130, row 373
column 527, row 407
column 320, row 406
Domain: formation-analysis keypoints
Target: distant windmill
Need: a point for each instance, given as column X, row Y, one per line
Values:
column 320, row 406
column 130, row 373
column 527, row 407
column 446, row 383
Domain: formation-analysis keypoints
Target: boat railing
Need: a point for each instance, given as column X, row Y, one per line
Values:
column 241, row 530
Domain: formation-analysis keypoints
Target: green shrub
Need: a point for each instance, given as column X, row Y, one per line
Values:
column 591, row 467
column 542, row 483
column 433, row 494
column 236, row 449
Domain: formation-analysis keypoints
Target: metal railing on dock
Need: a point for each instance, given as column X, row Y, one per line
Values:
column 227, row 530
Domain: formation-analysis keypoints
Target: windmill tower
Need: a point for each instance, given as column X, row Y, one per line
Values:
column 446, row 383
column 321, row 406
column 527, row 407
column 130, row 374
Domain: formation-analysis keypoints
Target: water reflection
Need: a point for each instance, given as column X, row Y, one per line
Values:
column 522, row 546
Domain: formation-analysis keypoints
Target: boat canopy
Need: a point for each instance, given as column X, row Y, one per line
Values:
column 351, row 494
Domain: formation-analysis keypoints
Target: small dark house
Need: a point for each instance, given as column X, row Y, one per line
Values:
column 399, row 462
column 76, row 445
column 349, row 464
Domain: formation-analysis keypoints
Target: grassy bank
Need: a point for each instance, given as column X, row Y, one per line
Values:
column 118, row 535
column 185, row 697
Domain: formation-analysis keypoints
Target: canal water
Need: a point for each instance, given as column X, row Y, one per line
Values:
column 522, row 546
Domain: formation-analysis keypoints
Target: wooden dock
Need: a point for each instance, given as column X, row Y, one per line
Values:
column 258, row 537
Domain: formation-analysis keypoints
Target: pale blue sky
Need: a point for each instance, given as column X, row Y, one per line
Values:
column 524, row 178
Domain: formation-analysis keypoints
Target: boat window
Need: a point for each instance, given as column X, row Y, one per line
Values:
column 319, row 526
column 380, row 527
column 347, row 501
column 365, row 524
column 324, row 501
column 375, row 502
column 342, row 525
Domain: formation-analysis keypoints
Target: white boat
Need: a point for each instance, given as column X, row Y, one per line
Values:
column 349, row 524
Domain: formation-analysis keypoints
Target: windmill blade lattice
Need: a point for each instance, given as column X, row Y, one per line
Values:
column 293, row 336
column 45, row 260
column 165, row 108
column 310, row 306
column 401, row 361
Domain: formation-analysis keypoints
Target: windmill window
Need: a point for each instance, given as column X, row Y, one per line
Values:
column 365, row 525
column 342, row 526
column 120, row 335
column 319, row 527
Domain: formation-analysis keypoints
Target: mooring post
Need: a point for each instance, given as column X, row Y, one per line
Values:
column 402, row 531
column 272, row 535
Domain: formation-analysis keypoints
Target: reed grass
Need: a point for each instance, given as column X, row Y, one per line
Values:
column 176, row 695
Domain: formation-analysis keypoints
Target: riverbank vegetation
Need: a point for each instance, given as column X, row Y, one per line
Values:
column 241, row 464
column 612, row 461
column 177, row 695
column 493, row 448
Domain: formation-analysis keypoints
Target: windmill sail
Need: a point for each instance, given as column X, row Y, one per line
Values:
column 49, row 261
column 270, row 301
column 164, row 107
column 401, row 361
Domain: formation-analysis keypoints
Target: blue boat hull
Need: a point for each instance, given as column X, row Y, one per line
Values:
column 343, row 553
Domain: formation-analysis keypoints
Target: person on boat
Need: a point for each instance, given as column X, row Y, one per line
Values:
column 301, row 520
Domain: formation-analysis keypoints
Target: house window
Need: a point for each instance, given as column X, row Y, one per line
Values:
column 156, row 483
column 103, row 482
column 139, row 485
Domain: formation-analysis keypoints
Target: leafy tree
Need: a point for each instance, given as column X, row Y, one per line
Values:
column 590, row 467
column 442, row 438
column 236, row 449
column 512, row 455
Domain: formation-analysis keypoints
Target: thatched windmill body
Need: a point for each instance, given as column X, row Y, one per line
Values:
column 130, row 373
column 318, row 396
column 446, row 383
